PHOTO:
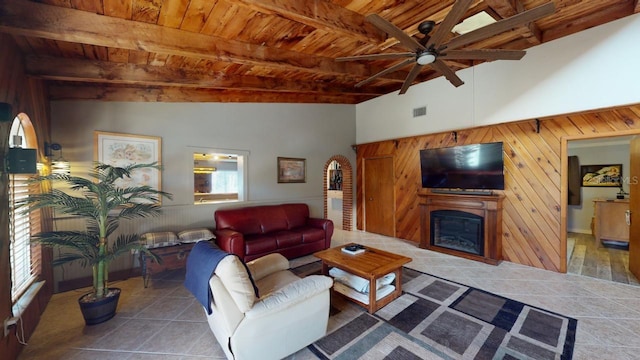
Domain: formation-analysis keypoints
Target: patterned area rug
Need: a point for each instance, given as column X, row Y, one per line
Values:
column 440, row 319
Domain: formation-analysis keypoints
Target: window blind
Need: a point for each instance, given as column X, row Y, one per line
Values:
column 25, row 258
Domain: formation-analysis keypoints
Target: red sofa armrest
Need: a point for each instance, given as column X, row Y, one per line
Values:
column 230, row 241
column 324, row 224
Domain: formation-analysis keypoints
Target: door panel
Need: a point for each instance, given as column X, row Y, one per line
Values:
column 634, row 207
column 379, row 196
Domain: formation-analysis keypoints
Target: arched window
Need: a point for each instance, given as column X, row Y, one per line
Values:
column 25, row 258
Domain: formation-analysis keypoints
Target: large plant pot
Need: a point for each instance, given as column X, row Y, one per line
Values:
column 99, row 311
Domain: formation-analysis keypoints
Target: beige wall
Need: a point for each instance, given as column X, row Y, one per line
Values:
column 315, row 132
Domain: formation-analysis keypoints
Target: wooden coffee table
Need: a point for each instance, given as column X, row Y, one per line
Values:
column 371, row 265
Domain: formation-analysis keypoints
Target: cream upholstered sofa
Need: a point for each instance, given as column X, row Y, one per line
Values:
column 289, row 314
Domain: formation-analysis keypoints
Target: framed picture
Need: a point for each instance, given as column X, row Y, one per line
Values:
column 601, row 175
column 292, row 170
column 120, row 150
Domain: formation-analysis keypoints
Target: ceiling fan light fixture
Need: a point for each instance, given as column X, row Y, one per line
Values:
column 426, row 58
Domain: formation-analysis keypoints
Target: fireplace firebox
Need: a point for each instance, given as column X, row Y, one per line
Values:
column 458, row 230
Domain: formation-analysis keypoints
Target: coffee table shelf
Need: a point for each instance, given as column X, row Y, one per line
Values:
column 372, row 265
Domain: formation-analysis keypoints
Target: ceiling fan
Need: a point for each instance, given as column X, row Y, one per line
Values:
column 432, row 49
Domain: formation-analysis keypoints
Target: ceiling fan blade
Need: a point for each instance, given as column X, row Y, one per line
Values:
column 502, row 26
column 386, row 71
column 453, row 17
column 448, row 73
column 394, row 31
column 484, row 54
column 376, row 56
column 410, row 78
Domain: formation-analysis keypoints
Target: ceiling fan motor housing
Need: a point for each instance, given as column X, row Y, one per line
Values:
column 425, row 27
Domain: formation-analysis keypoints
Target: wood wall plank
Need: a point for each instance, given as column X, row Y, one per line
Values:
column 533, row 232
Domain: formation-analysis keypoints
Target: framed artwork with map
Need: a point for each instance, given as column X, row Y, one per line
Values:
column 120, row 150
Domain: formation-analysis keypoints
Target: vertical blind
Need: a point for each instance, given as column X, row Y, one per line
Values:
column 25, row 258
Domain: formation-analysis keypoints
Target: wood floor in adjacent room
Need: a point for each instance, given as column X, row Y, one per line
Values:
column 588, row 258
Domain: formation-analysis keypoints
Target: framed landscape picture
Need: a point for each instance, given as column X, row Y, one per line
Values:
column 120, row 150
column 292, row 170
column 601, row 175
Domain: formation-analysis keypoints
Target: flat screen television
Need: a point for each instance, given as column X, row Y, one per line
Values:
column 466, row 167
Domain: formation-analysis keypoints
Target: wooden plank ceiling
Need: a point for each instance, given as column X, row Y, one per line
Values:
column 250, row 50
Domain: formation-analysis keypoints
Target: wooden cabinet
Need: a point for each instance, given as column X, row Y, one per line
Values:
column 609, row 220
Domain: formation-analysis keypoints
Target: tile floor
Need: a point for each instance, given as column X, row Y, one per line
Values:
column 164, row 321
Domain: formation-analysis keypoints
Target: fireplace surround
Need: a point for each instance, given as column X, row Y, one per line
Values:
column 468, row 226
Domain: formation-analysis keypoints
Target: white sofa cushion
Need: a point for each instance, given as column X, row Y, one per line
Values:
column 266, row 265
column 233, row 274
column 295, row 292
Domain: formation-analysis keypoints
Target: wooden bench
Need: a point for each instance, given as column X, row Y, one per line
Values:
column 172, row 249
column 172, row 258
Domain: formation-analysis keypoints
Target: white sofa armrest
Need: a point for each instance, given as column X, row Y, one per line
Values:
column 293, row 293
column 267, row 265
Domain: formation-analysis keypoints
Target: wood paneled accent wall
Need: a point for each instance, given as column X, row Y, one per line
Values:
column 29, row 96
column 533, row 217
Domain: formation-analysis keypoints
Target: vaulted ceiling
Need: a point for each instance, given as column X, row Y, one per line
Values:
column 252, row 50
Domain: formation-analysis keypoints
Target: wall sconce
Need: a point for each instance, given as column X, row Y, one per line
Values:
column 58, row 165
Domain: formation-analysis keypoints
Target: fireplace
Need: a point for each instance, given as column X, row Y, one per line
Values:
column 458, row 230
column 468, row 226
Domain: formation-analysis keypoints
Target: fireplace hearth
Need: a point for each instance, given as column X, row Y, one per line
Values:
column 458, row 230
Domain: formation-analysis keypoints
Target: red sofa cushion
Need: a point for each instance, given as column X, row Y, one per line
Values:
column 252, row 220
column 264, row 244
column 296, row 214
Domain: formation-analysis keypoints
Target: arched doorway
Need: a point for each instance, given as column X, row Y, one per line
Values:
column 346, row 186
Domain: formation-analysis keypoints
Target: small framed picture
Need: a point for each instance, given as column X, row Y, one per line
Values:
column 601, row 175
column 292, row 170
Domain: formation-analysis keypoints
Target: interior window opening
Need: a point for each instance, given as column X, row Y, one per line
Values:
column 218, row 176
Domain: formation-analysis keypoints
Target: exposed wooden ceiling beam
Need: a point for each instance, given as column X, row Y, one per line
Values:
column 320, row 14
column 176, row 94
column 52, row 68
column 27, row 18
column 507, row 8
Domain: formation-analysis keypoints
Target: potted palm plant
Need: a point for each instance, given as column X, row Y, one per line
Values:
column 102, row 203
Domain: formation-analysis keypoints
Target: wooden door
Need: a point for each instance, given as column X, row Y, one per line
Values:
column 634, row 207
column 379, row 200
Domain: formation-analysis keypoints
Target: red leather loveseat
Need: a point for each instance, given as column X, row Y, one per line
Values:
column 252, row 232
